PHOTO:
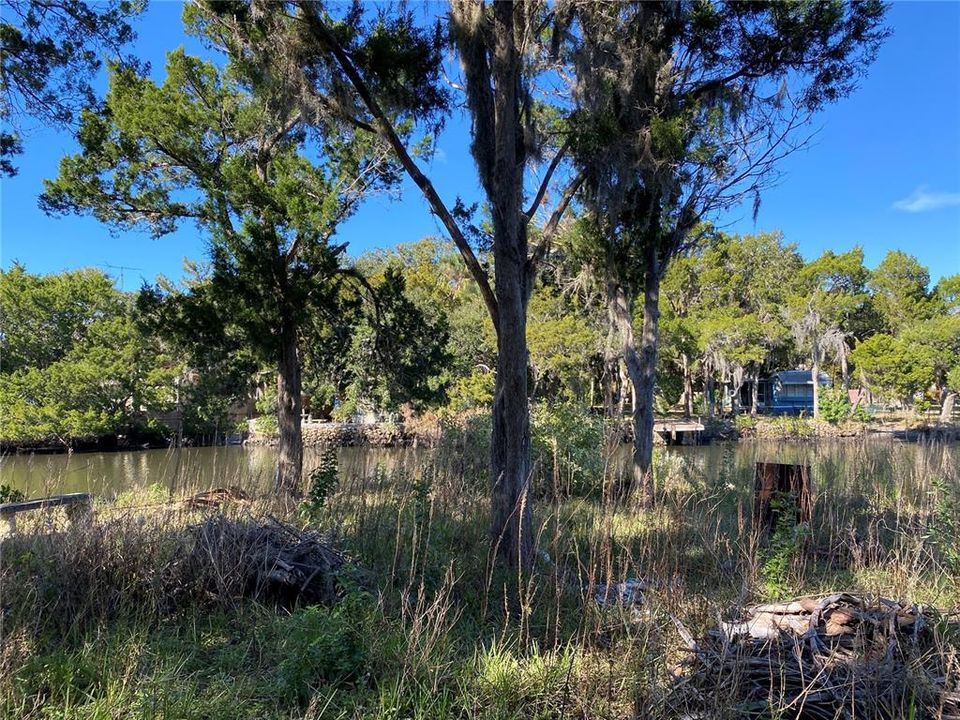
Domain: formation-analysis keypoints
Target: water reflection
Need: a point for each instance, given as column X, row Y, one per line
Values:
column 106, row 474
column 868, row 466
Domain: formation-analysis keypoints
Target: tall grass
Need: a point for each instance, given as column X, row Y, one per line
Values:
column 107, row 620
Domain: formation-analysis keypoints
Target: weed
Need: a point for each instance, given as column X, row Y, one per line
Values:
column 322, row 482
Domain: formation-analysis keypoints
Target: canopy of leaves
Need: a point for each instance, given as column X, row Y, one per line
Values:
column 44, row 316
column 89, row 371
column 50, row 50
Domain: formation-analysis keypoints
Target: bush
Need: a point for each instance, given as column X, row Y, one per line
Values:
column 568, row 449
column 834, row 404
column 317, row 646
column 9, row 494
column 472, row 391
column 323, row 481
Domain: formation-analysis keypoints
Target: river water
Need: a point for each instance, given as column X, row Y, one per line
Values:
column 864, row 466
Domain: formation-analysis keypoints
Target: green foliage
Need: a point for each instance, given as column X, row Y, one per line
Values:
column 227, row 148
column 266, row 420
column 568, row 447
column 834, row 404
column 322, row 483
column 472, row 391
column 953, row 378
column 194, row 326
column 900, row 291
column 397, row 354
column 321, row 646
column 443, row 300
column 49, row 54
column 893, row 367
column 786, row 544
column 94, row 373
column 44, row 316
column 9, row 494
column 560, row 343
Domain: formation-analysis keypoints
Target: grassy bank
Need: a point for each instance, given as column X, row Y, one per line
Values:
column 123, row 618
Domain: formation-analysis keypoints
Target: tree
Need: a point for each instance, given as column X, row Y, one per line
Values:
column 892, row 367
column 829, row 295
column 953, row 389
column 561, row 344
column 219, row 362
column 230, row 151
column 745, row 282
column 50, row 50
column 44, row 316
column 396, row 353
column 899, row 286
column 684, row 110
column 937, row 340
column 379, row 73
column 88, row 372
column 439, row 285
column 947, row 292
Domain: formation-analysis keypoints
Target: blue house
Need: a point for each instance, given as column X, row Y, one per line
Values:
column 791, row 391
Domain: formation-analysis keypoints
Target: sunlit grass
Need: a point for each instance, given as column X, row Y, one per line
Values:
column 425, row 627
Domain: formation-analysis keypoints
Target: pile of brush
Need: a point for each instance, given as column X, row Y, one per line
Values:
column 840, row 656
column 269, row 561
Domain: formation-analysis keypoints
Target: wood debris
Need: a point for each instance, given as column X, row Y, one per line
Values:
column 839, row 656
column 217, row 497
column 268, row 561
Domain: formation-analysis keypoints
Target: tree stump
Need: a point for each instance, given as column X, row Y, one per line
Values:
column 780, row 490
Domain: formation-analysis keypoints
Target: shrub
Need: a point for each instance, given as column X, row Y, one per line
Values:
column 834, row 404
column 568, row 447
column 9, row 494
column 786, row 543
column 323, row 481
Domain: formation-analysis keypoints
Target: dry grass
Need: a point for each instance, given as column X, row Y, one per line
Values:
column 424, row 627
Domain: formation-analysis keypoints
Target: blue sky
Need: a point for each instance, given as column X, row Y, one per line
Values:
column 883, row 171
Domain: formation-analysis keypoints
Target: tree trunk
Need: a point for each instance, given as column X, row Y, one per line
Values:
column 620, row 312
column 946, row 409
column 641, row 367
column 710, row 391
column 687, row 387
column 736, row 384
column 511, row 501
column 845, row 368
column 754, row 393
column 290, row 447
column 612, row 379
column 512, row 509
column 816, row 381
column 643, row 419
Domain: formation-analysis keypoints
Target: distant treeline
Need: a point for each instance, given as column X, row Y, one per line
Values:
column 82, row 360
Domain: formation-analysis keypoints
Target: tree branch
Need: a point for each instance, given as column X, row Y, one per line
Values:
column 550, row 229
column 387, row 131
column 542, row 190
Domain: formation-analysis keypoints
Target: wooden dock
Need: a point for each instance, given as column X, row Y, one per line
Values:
column 680, row 431
column 78, row 506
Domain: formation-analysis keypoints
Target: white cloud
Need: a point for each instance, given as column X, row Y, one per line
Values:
column 922, row 199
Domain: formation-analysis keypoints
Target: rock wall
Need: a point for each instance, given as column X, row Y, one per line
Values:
column 332, row 434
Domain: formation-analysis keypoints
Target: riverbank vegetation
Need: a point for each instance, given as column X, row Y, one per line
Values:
column 134, row 616
column 86, row 361
column 515, row 570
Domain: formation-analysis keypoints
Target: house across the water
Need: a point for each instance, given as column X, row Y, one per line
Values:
column 788, row 392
